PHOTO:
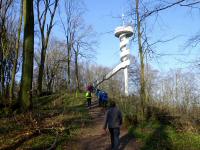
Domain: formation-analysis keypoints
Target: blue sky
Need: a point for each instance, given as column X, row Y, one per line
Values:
column 102, row 15
column 176, row 22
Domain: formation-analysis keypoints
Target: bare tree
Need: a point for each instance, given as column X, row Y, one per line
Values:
column 80, row 38
column 179, row 90
column 55, row 64
column 84, row 42
column 71, row 23
column 4, row 16
column 48, row 7
column 17, row 52
column 140, row 11
column 142, row 77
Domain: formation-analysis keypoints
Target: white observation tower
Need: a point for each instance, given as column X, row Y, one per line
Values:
column 124, row 33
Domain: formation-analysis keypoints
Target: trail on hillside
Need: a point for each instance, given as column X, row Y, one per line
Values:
column 91, row 137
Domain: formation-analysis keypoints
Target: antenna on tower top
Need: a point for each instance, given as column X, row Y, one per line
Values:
column 123, row 16
column 123, row 19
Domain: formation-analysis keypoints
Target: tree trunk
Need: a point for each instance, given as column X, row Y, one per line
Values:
column 3, row 35
column 28, row 52
column 1, row 55
column 142, row 77
column 68, row 64
column 41, row 70
column 0, row 84
column 3, row 75
column 2, row 79
column 49, row 85
column 76, row 69
column 17, row 53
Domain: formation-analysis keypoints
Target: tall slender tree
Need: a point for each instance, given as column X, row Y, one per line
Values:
column 141, row 52
column 4, row 9
column 45, row 30
column 78, row 37
column 140, row 11
column 83, row 46
column 28, row 53
column 17, row 52
column 72, row 14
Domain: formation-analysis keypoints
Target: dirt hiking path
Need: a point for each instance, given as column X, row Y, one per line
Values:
column 91, row 138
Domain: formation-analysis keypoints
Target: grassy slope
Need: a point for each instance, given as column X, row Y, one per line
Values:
column 55, row 117
column 156, row 136
column 60, row 117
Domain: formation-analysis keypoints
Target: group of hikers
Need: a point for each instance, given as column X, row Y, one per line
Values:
column 101, row 95
column 113, row 117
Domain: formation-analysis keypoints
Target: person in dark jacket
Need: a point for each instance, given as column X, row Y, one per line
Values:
column 113, row 120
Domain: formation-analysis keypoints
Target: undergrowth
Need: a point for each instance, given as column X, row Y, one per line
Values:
column 156, row 136
column 160, row 130
column 54, row 119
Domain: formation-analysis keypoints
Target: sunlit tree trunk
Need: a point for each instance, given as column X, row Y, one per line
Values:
column 28, row 53
column 41, row 70
column 141, row 53
column 17, row 53
column 4, row 43
column 77, row 71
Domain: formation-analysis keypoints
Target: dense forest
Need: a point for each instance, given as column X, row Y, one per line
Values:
column 43, row 80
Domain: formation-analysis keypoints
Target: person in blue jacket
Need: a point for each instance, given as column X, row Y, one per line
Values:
column 98, row 94
column 104, row 98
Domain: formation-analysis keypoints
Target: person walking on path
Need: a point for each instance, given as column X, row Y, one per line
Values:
column 113, row 120
column 88, row 96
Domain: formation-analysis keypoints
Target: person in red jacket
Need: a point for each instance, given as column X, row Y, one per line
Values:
column 90, row 88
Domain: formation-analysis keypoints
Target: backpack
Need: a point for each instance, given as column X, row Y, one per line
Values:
column 104, row 96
